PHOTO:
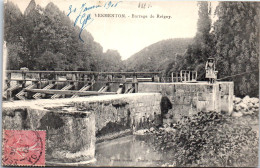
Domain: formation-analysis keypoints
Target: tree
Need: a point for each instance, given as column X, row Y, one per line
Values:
column 175, row 65
column 46, row 39
column 236, row 36
column 111, row 61
column 13, row 35
column 13, row 59
column 47, row 61
column 12, row 22
column 198, row 52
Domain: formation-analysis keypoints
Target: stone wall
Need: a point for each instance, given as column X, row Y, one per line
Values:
column 119, row 112
column 72, row 125
column 189, row 98
column 226, row 91
column 70, row 136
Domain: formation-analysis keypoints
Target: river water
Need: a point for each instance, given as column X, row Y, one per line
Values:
column 131, row 150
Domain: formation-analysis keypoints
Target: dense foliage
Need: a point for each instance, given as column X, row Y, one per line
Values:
column 210, row 139
column 236, row 41
column 198, row 52
column 45, row 39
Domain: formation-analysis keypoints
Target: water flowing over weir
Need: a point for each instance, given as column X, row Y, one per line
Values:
column 98, row 130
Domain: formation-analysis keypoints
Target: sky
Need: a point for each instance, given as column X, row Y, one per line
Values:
column 129, row 35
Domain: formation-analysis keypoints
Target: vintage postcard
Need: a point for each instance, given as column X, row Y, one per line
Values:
column 130, row 83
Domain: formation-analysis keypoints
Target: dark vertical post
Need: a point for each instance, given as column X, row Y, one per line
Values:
column 85, row 78
column 112, row 78
column 123, row 82
column 81, row 80
column 24, row 79
column 189, row 76
column 9, row 93
column 93, row 80
column 75, row 79
column 40, row 78
column 53, row 80
column 135, row 82
column 181, row 76
column 156, row 78
column 123, row 79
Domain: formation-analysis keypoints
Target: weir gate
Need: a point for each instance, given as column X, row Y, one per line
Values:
column 74, row 124
column 22, row 84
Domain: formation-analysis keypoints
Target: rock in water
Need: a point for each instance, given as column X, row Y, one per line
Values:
column 141, row 132
column 169, row 129
column 151, row 129
column 237, row 114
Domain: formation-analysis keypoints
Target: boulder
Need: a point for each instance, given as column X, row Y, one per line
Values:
column 249, row 112
column 237, row 107
column 237, row 114
column 243, row 105
column 169, row 129
column 256, row 105
column 152, row 129
column 246, row 98
column 237, row 100
column 254, row 100
column 141, row 132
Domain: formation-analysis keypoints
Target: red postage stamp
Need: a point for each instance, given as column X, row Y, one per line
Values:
column 23, row 148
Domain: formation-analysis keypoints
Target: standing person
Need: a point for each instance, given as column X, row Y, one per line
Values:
column 210, row 70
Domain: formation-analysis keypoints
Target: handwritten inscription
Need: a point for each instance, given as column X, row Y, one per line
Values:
column 83, row 18
column 84, row 15
column 144, row 5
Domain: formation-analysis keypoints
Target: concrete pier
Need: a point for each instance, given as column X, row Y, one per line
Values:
column 190, row 98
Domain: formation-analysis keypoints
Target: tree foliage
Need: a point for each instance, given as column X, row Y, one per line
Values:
column 198, row 52
column 46, row 39
column 112, row 61
column 236, row 41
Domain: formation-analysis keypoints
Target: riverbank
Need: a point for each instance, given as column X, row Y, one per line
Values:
column 211, row 139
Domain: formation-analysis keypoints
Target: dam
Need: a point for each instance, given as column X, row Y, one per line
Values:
column 79, row 127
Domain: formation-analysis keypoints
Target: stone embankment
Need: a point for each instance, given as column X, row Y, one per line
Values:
column 73, row 126
column 245, row 106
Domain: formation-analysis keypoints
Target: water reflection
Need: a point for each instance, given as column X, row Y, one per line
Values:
column 132, row 150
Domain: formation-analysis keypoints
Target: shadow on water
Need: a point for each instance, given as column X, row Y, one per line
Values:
column 132, row 150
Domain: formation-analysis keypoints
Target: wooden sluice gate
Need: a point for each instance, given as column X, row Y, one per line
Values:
column 25, row 84
column 38, row 95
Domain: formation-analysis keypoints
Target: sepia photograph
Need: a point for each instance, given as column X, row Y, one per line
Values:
column 90, row 83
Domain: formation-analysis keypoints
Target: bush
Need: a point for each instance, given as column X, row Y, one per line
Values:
column 209, row 139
